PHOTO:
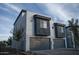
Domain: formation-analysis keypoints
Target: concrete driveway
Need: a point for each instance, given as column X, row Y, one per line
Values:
column 63, row 51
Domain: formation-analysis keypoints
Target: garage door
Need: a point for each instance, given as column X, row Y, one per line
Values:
column 59, row 43
column 40, row 43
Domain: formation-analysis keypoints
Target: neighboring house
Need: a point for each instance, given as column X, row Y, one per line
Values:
column 38, row 32
column 70, row 38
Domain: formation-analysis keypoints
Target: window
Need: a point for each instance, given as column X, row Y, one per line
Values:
column 43, row 24
column 61, row 29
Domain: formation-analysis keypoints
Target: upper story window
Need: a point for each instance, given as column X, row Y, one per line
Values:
column 43, row 23
column 61, row 29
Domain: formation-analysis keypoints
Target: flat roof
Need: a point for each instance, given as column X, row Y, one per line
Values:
column 59, row 24
column 30, row 11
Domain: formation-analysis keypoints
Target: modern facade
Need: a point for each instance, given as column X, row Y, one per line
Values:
column 39, row 32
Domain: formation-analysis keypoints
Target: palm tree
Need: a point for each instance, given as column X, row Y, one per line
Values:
column 73, row 23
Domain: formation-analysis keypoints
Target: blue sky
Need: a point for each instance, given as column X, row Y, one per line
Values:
column 58, row 12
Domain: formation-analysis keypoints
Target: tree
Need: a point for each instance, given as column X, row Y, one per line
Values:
column 3, row 43
column 73, row 23
column 9, row 42
column 17, row 35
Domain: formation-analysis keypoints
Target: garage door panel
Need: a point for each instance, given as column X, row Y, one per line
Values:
column 39, row 44
column 44, row 44
column 34, row 44
column 59, row 43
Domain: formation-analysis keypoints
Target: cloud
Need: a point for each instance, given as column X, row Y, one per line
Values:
column 8, row 10
column 3, row 37
column 4, row 33
column 5, row 9
column 71, row 9
column 58, row 11
column 6, row 24
column 13, row 7
column 4, row 18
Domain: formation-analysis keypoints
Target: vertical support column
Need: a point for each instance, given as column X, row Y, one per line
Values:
column 52, row 36
column 73, row 40
column 52, row 43
column 65, row 39
column 65, row 42
column 27, row 43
